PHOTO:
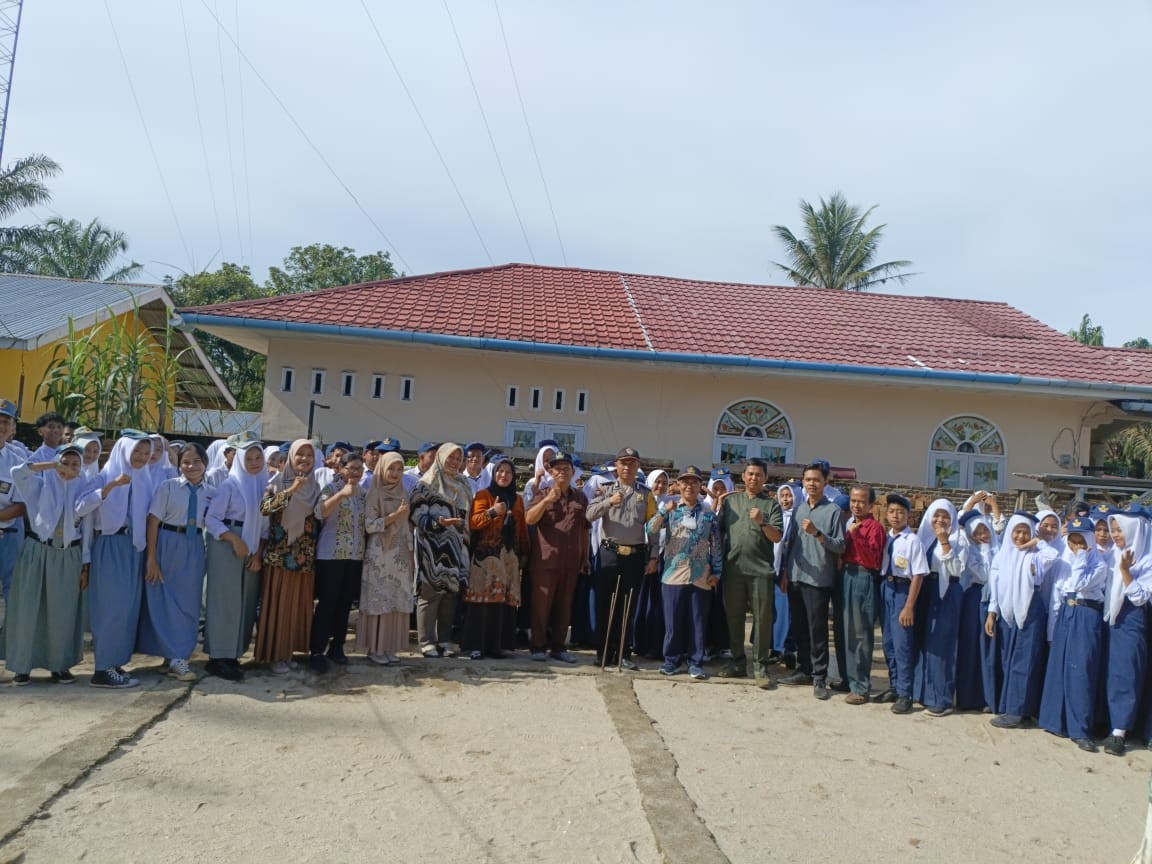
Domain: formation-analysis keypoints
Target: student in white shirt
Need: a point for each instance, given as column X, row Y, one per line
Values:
column 11, row 507
column 476, row 472
column 903, row 570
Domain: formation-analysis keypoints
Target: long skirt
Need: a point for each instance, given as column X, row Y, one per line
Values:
column 1022, row 660
column 990, row 664
column 781, row 623
column 10, row 542
column 935, row 675
column 382, row 634
column 230, row 600
column 285, row 623
column 1127, row 664
column 970, row 694
column 170, row 614
column 1074, row 661
column 115, row 591
column 43, row 629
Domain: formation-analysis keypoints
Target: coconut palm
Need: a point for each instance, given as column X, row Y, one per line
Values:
column 1088, row 333
column 67, row 248
column 22, row 185
column 837, row 249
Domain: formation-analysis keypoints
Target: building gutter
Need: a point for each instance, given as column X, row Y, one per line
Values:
column 477, row 343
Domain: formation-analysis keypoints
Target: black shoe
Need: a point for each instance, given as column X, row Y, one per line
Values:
column 1114, row 746
column 885, row 696
column 820, row 691
column 1086, row 744
column 21, row 680
column 902, row 705
column 1007, row 721
column 229, row 670
column 735, row 669
column 629, row 664
column 840, row 686
column 790, row 660
column 64, row 677
column 797, row 679
column 319, row 664
column 337, row 656
column 775, row 658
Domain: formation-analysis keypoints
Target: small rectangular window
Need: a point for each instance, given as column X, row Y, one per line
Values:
column 513, row 395
column 287, row 379
column 317, row 382
column 558, row 401
column 348, row 386
column 377, row 386
column 581, row 401
column 536, row 397
column 406, row 389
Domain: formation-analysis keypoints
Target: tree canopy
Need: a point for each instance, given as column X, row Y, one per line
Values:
column 72, row 250
column 1088, row 333
column 319, row 266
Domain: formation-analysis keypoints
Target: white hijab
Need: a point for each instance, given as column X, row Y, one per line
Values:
column 977, row 556
column 88, row 472
column 1058, row 542
column 932, row 546
column 1136, row 537
column 216, row 454
column 57, row 498
column 1013, row 574
column 251, row 489
column 114, row 509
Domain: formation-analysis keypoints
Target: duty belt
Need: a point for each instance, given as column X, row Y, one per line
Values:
column 622, row 550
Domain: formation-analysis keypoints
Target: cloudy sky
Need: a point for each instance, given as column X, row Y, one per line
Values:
column 1005, row 144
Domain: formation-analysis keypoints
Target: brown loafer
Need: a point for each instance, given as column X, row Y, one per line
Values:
column 856, row 699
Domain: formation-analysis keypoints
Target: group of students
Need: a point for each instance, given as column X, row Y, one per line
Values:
column 1025, row 617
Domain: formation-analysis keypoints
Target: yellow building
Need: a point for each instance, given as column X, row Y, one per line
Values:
column 34, row 318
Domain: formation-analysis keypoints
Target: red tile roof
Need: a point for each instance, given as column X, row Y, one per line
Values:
column 611, row 310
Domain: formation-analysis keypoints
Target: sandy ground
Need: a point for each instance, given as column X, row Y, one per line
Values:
column 503, row 761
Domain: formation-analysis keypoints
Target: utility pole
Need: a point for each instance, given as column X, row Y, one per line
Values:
column 312, row 406
column 10, row 12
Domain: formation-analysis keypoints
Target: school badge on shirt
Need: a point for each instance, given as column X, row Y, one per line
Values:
column 901, row 562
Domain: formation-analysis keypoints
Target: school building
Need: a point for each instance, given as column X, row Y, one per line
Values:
column 922, row 391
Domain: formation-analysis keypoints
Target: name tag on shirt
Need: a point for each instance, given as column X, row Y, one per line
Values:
column 5, row 489
column 901, row 562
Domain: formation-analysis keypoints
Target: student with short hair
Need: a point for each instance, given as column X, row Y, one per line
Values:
column 934, row 684
column 860, row 571
column 903, row 569
column 50, row 426
column 12, row 509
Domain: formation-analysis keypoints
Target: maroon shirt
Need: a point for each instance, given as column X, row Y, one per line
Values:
column 561, row 538
column 865, row 544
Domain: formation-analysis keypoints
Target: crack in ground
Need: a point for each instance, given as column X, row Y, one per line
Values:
column 681, row 835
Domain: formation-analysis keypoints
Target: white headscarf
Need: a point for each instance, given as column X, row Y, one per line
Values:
column 931, row 545
column 977, row 556
column 114, row 509
column 1057, row 542
column 57, row 498
column 251, row 488
column 88, row 472
column 303, row 501
column 1013, row 574
column 1137, row 537
column 216, row 454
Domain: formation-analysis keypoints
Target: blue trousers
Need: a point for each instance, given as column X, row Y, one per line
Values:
column 899, row 641
column 1068, row 706
column 1127, row 664
column 969, row 652
column 935, row 675
column 781, row 622
column 1022, row 659
column 115, row 588
column 686, row 610
column 170, row 613
column 990, row 661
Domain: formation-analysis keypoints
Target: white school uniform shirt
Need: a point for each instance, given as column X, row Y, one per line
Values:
column 215, row 476
column 10, row 458
column 410, row 479
column 227, row 503
column 43, row 453
column 904, row 555
column 324, row 475
column 170, row 502
column 75, row 522
column 478, row 483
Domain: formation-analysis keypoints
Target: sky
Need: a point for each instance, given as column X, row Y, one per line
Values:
column 1004, row 145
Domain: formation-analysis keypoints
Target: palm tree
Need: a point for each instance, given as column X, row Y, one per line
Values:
column 837, row 250
column 22, row 185
column 66, row 248
column 1088, row 333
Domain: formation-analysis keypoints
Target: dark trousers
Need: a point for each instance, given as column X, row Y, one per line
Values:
column 583, row 610
column 899, row 641
column 484, row 628
column 856, row 628
column 552, row 592
column 337, row 588
column 629, row 569
column 741, row 594
column 685, row 620
column 809, row 608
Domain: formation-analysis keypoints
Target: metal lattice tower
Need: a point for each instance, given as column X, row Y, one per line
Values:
column 10, row 12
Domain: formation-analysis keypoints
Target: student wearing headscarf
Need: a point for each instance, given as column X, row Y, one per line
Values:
column 115, row 586
column 43, row 629
column 220, row 457
column 976, row 675
column 648, row 621
column 541, row 479
column 386, row 590
column 787, row 496
column 235, row 528
column 1126, row 613
column 499, row 553
column 935, row 674
column 1067, row 706
column 441, row 503
column 1018, row 617
column 273, row 460
column 289, row 502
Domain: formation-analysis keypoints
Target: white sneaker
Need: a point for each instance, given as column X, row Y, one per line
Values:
column 180, row 670
column 280, row 667
column 446, row 650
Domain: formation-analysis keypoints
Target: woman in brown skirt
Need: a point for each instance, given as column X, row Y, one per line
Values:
column 289, row 503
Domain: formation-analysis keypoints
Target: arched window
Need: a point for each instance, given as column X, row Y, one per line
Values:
column 752, row 428
column 967, row 453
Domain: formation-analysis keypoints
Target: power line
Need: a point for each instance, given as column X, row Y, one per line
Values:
column 291, row 117
column 488, row 129
column 200, row 127
column 228, row 139
column 243, row 133
column 427, row 131
column 531, row 138
column 148, row 135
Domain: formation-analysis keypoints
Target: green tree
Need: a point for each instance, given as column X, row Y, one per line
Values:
column 1088, row 333
column 22, row 185
column 72, row 250
column 319, row 266
column 1140, row 342
column 837, row 249
column 242, row 370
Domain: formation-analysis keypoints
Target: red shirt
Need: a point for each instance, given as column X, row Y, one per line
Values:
column 865, row 544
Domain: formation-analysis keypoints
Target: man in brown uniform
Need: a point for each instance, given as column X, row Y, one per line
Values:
column 559, row 555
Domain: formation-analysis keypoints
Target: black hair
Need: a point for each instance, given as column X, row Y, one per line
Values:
column 349, row 457
column 757, row 462
column 50, row 417
column 72, row 424
column 821, row 466
column 864, row 487
column 198, row 449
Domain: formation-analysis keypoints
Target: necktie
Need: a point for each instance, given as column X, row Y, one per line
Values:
column 190, row 528
column 891, row 546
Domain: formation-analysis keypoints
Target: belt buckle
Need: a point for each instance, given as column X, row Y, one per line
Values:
column 1072, row 601
column 890, row 578
column 624, row 550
